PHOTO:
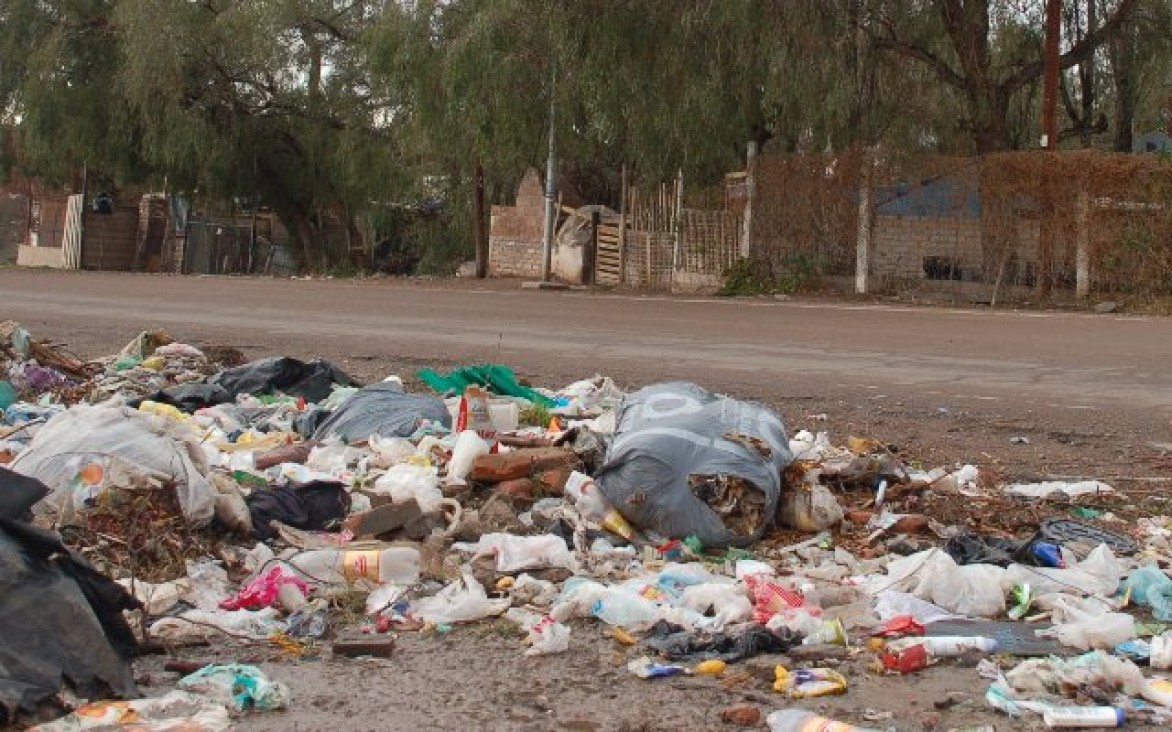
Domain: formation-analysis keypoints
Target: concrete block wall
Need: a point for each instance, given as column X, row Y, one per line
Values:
column 901, row 243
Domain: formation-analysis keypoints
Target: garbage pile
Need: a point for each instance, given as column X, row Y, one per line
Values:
column 253, row 501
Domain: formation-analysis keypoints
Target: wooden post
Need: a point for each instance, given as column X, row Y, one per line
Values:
column 1082, row 239
column 677, row 226
column 622, row 228
column 478, row 230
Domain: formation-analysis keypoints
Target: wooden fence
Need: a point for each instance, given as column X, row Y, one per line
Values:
column 655, row 243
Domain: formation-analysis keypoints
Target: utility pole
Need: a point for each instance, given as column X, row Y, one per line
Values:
column 550, row 188
column 1050, row 80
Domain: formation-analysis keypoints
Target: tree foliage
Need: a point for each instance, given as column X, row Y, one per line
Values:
column 334, row 112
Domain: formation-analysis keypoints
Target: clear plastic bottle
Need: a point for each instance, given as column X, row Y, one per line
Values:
column 801, row 720
column 1084, row 717
column 397, row 564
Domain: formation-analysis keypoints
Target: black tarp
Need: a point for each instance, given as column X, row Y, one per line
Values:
column 60, row 619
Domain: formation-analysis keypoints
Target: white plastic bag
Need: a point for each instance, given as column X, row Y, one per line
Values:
column 459, row 602
column 933, row 575
column 516, row 553
column 1093, row 631
column 728, row 604
column 889, row 604
column 156, row 445
column 404, row 482
column 468, row 447
column 390, row 451
column 1099, row 574
column 547, row 637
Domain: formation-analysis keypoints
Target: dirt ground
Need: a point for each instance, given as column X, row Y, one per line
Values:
column 1091, row 395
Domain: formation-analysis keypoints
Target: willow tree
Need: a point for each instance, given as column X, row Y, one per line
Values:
column 265, row 99
column 58, row 62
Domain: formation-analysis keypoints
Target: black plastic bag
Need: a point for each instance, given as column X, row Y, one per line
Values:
column 382, row 409
column 60, row 619
column 313, row 380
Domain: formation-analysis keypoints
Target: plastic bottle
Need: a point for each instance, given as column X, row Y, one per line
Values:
column 397, row 564
column 1084, row 717
column 800, row 720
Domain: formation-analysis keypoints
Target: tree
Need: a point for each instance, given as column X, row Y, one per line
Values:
column 985, row 50
column 267, row 98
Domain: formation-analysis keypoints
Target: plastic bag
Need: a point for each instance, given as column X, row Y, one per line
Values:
column 622, row 607
column 196, row 624
column 810, row 508
column 390, row 451
column 262, row 591
column 461, row 601
column 547, row 637
column 1099, row 574
column 180, row 711
column 770, row 597
column 687, row 462
column 382, row 409
column 468, row 447
column 933, row 575
column 1144, row 580
column 85, row 435
column 405, row 482
column 238, row 686
column 313, row 380
column 516, row 553
column 1094, row 631
column 726, row 603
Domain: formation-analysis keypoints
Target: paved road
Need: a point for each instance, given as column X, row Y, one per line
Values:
column 1059, row 359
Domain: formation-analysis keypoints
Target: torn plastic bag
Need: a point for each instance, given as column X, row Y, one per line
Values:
column 60, row 619
column 382, row 409
column 312, row 380
column 85, row 436
column 687, row 462
column 459, row 602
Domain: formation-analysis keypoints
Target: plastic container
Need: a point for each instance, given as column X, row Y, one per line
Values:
column 1084, row 717
column 800, row 720
column 399, row 565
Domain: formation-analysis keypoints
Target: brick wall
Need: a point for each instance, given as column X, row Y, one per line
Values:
column 514, row 239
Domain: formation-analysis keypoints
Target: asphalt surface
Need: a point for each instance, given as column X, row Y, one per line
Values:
column 1060, row 360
